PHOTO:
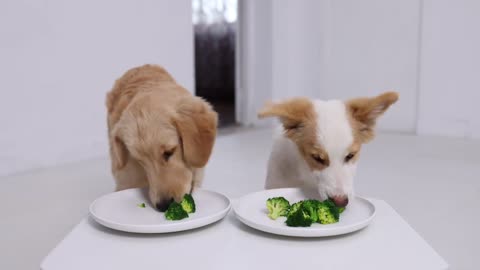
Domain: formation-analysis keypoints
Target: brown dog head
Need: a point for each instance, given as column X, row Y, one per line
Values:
column 168, row 141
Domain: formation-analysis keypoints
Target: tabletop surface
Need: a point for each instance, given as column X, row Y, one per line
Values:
column 388, row 243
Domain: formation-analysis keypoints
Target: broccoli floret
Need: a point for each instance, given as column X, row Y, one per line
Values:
column 312, row 206
column 188, row 204
column 334, row 208
column 329, row 203
column 175, row 212
column 294, row 208
column 277, row 207
column 304, row 213
column 141, row 205
column 312, row 202
column 327, row 214
column 300, row 218
column 335, row 212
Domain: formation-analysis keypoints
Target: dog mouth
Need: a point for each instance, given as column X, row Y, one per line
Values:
column 163, row 205
column 161, row 196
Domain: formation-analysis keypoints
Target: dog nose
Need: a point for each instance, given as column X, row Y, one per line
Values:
column 162, row 206
column 340, row 201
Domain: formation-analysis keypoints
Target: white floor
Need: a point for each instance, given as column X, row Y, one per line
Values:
column 432, row 182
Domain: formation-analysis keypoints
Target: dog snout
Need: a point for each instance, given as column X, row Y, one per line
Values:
column 162, row 206
column 340, row 201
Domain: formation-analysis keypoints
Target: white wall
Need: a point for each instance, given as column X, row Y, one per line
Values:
column 299, row 45
column 372, row 47
column 59, row 58
column 254, row 77
column 450, row 69
column 427, row 50
column 342, row 49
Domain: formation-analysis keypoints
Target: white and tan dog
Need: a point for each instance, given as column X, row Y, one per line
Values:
column 319, row 143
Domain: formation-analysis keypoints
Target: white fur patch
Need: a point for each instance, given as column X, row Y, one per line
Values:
column 335, row 135
column 333, row 128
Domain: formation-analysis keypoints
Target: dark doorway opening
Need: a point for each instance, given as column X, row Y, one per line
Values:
column 215, row 28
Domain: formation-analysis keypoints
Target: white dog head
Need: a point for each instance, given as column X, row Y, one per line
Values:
column 329, row 135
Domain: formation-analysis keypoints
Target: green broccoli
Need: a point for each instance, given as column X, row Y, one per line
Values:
column 312, row 206
column 301, row 217
column 329, row 203
column 335, row 211
column 304, row 213
column 188, row 204
column 277, row 207
column 328, row 214
column 312, row 202
column 294, row 208
column 334, row 208
column 175, row 212
column 141, row 205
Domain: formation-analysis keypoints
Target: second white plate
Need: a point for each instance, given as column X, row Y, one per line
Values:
column 120, row 211
column 251, row 209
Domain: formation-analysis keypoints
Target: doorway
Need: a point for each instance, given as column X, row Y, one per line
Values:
column 215, row 33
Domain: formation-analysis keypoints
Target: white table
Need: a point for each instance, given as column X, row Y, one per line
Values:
column 388, row 243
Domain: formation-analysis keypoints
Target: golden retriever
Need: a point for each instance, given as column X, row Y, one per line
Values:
column 160, row 135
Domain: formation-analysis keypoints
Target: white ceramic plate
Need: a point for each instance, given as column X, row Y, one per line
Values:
column 120, row 211
column 251, row 210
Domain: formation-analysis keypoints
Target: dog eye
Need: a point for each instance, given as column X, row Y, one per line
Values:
column 168, row 154
column 349, row 157
column 318, row 159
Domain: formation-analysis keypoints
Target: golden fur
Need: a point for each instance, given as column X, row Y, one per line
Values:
column 363, row 114
column 300, row 124
column 160, row 135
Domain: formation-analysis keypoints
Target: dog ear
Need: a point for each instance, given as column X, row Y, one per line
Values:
column 196, row 123
column 365, row 111
column 118, row 150
column 292, row 113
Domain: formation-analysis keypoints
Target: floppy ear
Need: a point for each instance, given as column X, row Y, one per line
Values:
column 118, row 150
column 292, row 113
column 365, row 111
column 196, row 123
